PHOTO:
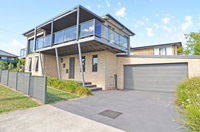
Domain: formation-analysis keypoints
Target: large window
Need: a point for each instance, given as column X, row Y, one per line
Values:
column 83, row 63
column 31, row 45
column 29, row 64
column 36, row 63
column 163, row 51
column 94, row 63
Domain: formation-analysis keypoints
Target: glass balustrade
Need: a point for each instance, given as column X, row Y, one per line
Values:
column 88, row 28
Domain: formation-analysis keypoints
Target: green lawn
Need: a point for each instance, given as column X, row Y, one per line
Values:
column 55, row 95
column 11, row 100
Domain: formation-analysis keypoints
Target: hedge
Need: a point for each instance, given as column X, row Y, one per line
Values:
column 69, row 86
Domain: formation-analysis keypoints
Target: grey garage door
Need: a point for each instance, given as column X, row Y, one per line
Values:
column 154, row 77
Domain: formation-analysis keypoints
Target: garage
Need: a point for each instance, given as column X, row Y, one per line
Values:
column 154, row 77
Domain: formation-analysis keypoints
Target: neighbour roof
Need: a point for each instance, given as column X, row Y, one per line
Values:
column 149, row 46
column 108, row 16
column 4, row 53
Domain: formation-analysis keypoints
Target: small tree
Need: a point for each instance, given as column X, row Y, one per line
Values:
column 10, row 66
column 3, row 64
column 193, row 44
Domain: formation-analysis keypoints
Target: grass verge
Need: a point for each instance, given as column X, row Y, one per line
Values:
column 55, row 95
column 11, row 100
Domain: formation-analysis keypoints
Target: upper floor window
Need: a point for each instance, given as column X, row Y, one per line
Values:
column 163, row 51
column 31, row 45
column 94, row 63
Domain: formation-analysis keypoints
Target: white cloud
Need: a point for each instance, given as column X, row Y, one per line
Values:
column 150, row 32
column 166, row 20
column 156, row 25
column 187, row 24
column 16, row 43
column 89, row 7
column 98, row 6
column 119, row 3
column 121, row 12
column 145, row 18
column 167, row 28
column 107, row 3
column 138, row 23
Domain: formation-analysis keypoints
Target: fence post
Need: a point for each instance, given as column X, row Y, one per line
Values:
column 0, row 74
column 16, row 80
column 7, row 77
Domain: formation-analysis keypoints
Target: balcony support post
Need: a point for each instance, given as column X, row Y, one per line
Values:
column 41, row 63
column 52, row 24
column 35, row 39
column 128, row 47
column 79, row 46
column 58, row 64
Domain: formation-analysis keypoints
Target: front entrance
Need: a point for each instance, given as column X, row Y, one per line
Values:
column 71, row 67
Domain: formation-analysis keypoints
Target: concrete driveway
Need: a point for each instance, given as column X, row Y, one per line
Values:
column 49, row 119
column 142, row 111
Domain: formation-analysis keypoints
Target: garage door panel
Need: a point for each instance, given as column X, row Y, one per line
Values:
column 160, row 77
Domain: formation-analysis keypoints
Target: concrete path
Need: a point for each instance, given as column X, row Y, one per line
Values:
column 49, row 119
column 142, row 111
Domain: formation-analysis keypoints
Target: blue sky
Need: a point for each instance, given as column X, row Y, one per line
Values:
column 153, row 21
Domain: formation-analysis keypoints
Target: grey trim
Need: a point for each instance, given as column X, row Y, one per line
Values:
column 35, row 38
column 162, row 56
column 52, row 25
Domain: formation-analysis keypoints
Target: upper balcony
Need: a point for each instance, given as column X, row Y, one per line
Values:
column 65, row 33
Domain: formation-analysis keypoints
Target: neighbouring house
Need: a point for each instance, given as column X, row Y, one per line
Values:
column 8, row 57
column 159, row 49
column 82, row 46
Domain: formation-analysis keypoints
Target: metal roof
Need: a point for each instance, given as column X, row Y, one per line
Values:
column 6, row 54
column 149, row 46
column 66, row 12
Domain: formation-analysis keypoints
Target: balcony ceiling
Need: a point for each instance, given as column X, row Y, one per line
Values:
column 91, row 46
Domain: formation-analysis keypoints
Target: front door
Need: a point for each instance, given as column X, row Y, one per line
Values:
column 71, row 67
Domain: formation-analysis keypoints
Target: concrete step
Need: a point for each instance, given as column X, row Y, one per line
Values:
column 95, row 89
column 90, row 86
column 86, row 83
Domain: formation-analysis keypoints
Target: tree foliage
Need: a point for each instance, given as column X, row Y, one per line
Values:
column 193, row 44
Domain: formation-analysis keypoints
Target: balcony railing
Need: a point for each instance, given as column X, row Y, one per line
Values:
column 88, row 28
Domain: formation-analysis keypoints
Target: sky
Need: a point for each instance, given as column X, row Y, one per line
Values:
column 153, row 21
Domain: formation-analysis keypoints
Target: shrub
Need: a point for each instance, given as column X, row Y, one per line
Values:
column 188, row 97
column 69, row 86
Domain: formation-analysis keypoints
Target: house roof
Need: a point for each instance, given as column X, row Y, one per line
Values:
column 157, row 45
column 6, row 54
column 102, row 19
column 66, row 12
column 108, row 16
